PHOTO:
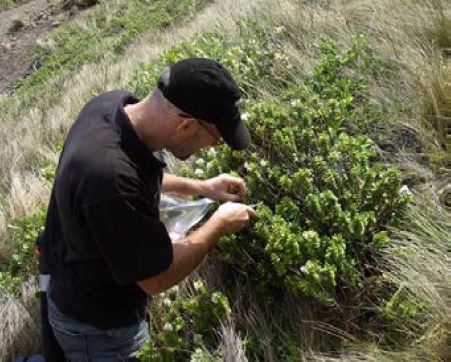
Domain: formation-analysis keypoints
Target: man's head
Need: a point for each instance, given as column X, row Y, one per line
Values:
column 185, row 134
column 205, row 93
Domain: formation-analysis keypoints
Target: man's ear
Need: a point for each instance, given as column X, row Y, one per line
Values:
column 186, row 126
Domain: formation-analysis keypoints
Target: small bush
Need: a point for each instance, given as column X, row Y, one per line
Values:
column 326, row 199
column 23, row 262
column 184, row 327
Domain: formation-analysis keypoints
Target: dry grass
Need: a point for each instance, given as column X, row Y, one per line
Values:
column 20, row 323
column 232, row 344
column 406, row 34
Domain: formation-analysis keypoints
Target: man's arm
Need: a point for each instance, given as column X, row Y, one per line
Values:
column 188, row 253
column 181, row 185
column 223, row 187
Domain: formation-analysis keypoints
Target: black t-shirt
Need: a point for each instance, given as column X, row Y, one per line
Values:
column 102, row 232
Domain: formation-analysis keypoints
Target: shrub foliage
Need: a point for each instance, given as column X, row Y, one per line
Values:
column 23, row 261
column 183, row 327
column 325, row 199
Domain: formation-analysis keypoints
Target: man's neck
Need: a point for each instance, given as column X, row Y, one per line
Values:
column 141, row 121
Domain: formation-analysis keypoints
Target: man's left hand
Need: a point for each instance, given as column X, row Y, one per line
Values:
column 224, row 187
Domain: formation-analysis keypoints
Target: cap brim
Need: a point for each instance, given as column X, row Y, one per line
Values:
column 236, row 136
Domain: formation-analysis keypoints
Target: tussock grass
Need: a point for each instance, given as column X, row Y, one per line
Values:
column 232, row 343
column 20, row 322
column 409, row 97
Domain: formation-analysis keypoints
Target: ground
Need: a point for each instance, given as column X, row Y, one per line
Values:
column 20, row 29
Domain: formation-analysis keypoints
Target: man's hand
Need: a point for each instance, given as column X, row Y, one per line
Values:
column 232, row 217
column 224, row 188
column 189, row 252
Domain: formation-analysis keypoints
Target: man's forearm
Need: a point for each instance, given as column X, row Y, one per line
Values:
column 188, row 254
column 182, row 185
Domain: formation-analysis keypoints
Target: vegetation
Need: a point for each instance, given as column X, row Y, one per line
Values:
column 326, row 202
column 7, row 4
column 346, row 258
column 107, row 30
column 184, row 324
column 78, row 3
column 23, row 262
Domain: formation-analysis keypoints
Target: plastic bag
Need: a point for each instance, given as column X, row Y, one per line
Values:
column 180, row 215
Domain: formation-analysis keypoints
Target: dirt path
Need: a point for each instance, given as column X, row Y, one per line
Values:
column 20, row 28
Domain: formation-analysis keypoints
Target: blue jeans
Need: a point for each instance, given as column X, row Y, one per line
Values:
column 82, row 342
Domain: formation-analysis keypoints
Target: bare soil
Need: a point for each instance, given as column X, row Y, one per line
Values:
column 20, row 28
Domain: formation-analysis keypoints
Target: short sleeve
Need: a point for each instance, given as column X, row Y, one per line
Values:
column 135, row 245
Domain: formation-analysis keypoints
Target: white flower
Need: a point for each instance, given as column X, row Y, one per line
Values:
column 405, row 189
column 263, row 163
column 279, row 29
column 198, row 284
column 200, row 162
column 244, row 117
column 197, row 338
column 197, row 356
column 304, row 269
column 168, row 327
column 199, row 172
column 215, row 297
column 167, row 302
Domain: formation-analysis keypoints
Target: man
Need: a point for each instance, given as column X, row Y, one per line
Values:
column 103, row 243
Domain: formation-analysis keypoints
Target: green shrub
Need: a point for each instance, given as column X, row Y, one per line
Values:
column 23, row 262
column 326, row 199
column 185, row 326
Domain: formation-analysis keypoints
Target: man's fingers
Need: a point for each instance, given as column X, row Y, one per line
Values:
column 235, row 183
column 235, row 197
column 251, row 211
column 230, row 197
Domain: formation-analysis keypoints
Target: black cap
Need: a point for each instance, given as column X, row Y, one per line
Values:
column 203, row 88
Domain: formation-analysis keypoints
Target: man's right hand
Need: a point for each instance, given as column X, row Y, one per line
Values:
column 232, row 217
column 189, row 252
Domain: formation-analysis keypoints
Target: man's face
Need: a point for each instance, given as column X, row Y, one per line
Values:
column 192, row 136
